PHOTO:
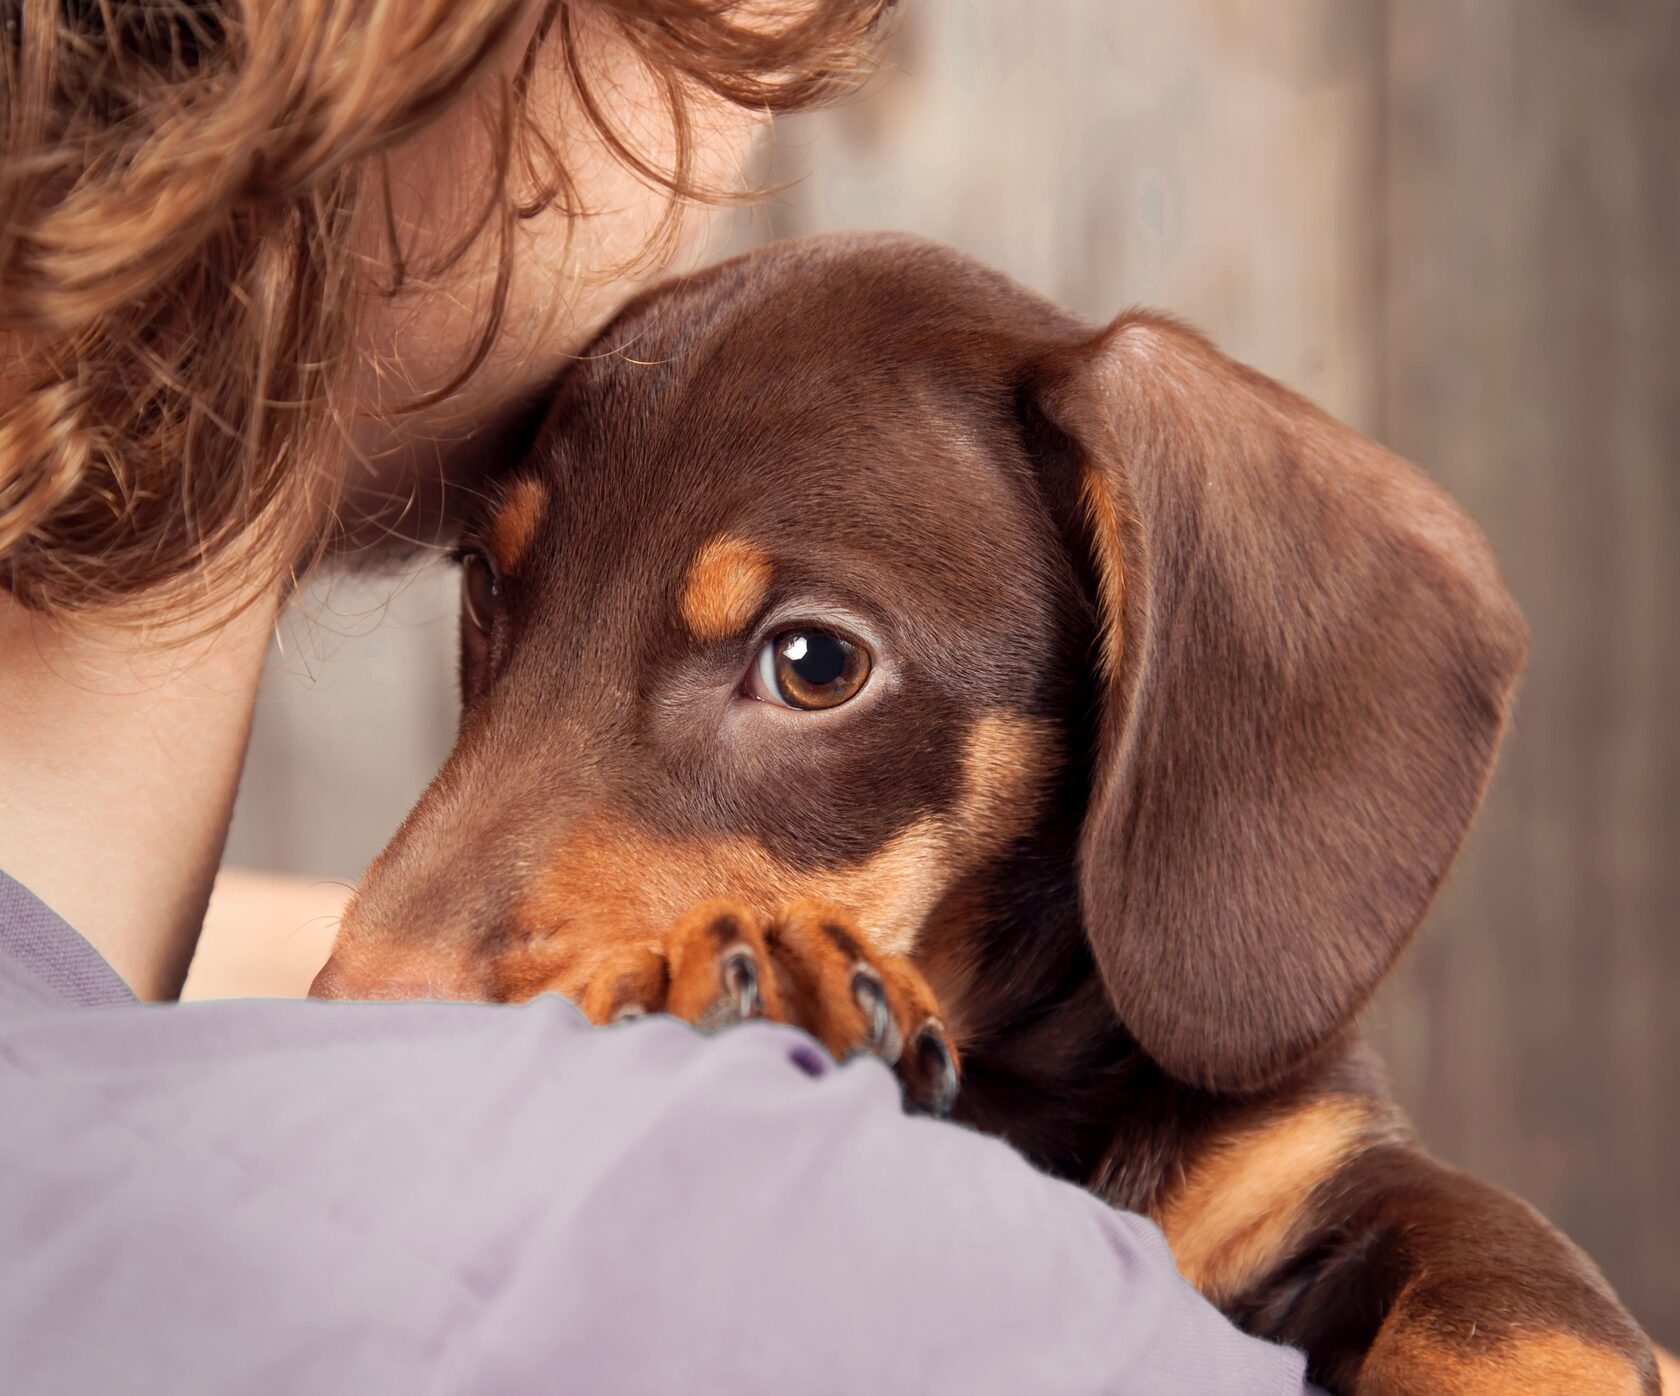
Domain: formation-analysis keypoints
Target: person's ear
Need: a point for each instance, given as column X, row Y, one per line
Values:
column 1306, row 661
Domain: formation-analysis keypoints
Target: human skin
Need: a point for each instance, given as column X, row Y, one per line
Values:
column 121, row 749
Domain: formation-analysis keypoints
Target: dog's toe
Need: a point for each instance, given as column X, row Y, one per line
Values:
column 720, row 968
column 856, row 1001
column 882, row 1037
column 812, row 966
column 930, row 1077
column 630, row 984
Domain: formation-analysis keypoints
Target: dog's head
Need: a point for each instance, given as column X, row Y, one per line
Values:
column 849, row 568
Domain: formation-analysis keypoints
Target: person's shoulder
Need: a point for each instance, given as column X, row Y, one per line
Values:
column 351, row 1194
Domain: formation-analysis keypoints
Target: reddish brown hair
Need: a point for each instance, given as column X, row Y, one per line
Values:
column 178, row 286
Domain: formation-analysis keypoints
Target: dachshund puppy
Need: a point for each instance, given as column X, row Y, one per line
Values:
column 1068, row 712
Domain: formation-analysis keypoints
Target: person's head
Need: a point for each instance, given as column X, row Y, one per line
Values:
column 255, row 254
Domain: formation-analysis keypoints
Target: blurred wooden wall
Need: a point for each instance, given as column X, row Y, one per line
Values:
column 1453, row 222
column 1531, row 360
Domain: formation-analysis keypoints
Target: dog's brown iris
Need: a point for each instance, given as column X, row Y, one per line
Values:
column 816, row 668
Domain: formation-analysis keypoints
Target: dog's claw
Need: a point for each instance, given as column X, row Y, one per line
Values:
column 882, row 1032
column 810, row 966
column 937, row 1068
column 738, row 973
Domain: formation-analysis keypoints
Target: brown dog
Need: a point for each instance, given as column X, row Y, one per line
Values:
column 1073, row 700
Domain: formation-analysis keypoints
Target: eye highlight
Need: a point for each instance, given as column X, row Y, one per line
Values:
column 808, row 668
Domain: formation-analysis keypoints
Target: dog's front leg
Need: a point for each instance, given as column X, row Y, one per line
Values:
column 1402, row 1277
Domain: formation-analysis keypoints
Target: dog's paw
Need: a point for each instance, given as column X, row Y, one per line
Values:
column 811, row 966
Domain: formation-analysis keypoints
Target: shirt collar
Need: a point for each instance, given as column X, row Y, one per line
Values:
column 44, row 961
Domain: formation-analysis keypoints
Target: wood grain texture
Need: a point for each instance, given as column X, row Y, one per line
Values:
column 1453, row 222
column 1533, row 365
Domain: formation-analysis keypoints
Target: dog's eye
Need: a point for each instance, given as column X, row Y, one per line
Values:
column 479, row 591
column 808, row 669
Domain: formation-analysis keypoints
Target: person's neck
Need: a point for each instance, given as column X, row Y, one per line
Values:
column 119, row 759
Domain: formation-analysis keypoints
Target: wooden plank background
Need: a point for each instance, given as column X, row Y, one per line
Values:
column 1453, row 222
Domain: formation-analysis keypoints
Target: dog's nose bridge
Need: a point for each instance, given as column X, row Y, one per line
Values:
column 442, row 913
column 432, row 917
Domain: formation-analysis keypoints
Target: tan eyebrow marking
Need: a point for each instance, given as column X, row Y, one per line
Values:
column 725, row 585
column 517, row 521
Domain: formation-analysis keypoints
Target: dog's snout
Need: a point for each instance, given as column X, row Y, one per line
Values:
column 396, row 977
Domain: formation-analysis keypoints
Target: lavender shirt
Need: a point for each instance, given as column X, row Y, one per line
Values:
column 274, row 1197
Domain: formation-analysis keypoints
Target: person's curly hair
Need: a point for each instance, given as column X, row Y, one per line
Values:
column 178, row 286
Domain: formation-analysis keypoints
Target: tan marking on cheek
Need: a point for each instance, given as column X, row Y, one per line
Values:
column 1414, row 1357
column 1240, row 1201
column 892, row 893
column 516, row 523
column 1006, row 768
column 725, row 586
column 1008, row 765
column 895, row 893
column 611, row 887
column 613, row 883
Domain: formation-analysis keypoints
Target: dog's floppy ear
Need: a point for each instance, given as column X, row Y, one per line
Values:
column 1306, row 660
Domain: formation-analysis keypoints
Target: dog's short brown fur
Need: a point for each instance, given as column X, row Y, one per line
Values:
column 1183, row 698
